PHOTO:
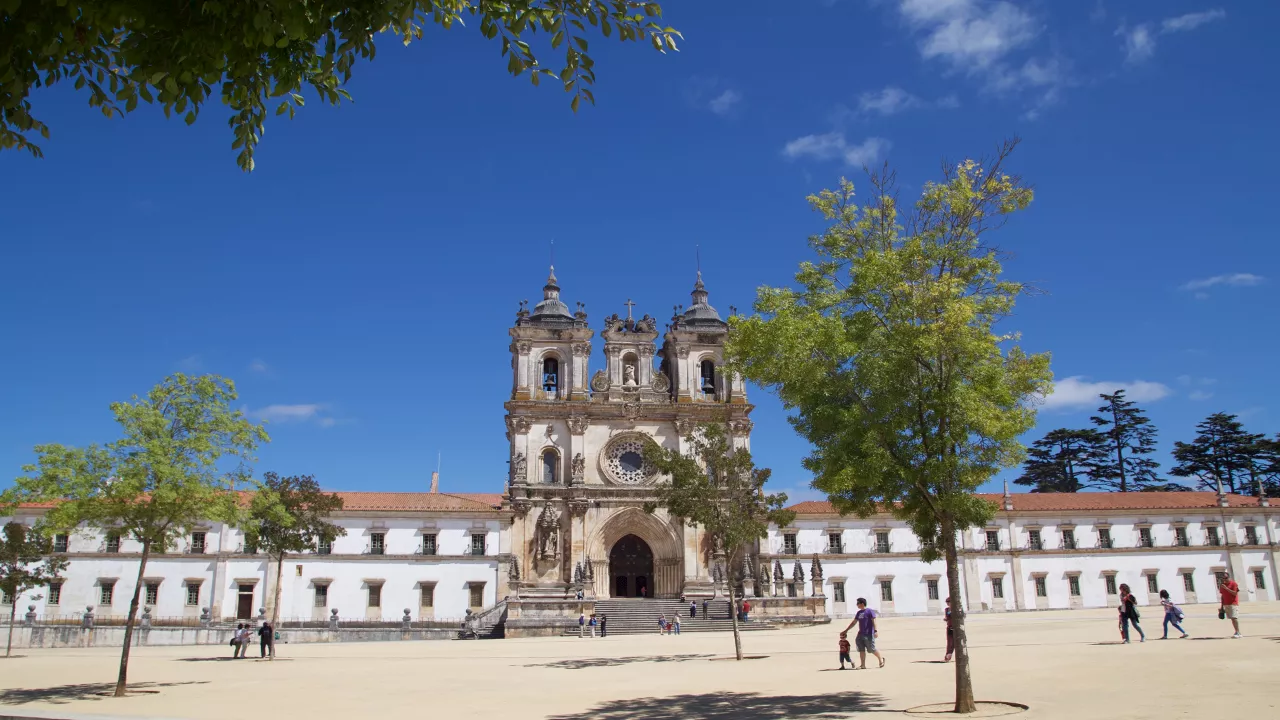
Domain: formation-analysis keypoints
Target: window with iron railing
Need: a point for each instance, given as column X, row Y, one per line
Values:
column 429, row 544
column 997, row 587
column 882, row 541
column 789, row 544
column 55, row 592
column 993, row 541
column 324, row 547
column 1073, row 585
column 1144, row 537
column 322, row 596
column 1069, row 539
column 835, row 543
column 477, row 544
column 1259, row 580
column 1033, row 540
column 1250, row 535
column 837, row 591
column 1104, row 538
column 61, row 543
column 1180, row 536
column 886, row 591
column 1042, row 586
column 931, row 585
column 1188, row 582
column 152, row 594
column 1111, row 584
column 193, row 594
column 106, row 592
column 197, row 543
column 1153, row 586
column 1211, row 536
column 113, row 542
column 377, row 544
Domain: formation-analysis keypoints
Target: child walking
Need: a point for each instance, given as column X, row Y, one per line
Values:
column 1172, row 614
column 844, row 652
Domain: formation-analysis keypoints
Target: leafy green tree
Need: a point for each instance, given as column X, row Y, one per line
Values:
column 181, row 457
column 26, row 561
column 887, row 353
column 1061, row 461
column 290, row 515
column 717, row 487
column 1221, row 453
column 1128, row 438
column 261, row 53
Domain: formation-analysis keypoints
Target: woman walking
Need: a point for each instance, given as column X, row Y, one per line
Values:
column 1172, row 614
column 1129, row 614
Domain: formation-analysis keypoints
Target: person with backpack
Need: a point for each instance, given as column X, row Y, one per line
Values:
column 1172, row 615
column 1129, row 614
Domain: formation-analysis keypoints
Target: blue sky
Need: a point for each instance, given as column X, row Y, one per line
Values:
column 359, row 284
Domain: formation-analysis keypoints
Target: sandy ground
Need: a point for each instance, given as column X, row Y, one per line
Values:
column 1061, row 664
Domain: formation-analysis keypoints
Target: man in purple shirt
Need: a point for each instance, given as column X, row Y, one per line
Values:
column 867, row 633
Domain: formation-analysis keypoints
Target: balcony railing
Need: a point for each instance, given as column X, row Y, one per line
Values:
column 1035, row 545
column 1105, row 544
column 1068, row 544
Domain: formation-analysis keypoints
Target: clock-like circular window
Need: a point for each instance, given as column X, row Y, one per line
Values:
column 624, row 463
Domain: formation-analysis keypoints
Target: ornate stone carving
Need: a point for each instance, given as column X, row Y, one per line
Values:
column 797, row 572
column 746, row 568
column 578, row 469
column 682, row 351
column 631, row 411
column 579, row 506
column 628, row 375
column 524, row 347
column 646, row 351
column 815, row 574
column 521, row 425
column 600, row 381
column 578, row 424
column 521, row 506
column 764, row 573
column 551, row 430
column 647, row 324
column 578, row 574
column 684, row 426
column 778, row 577
column 717, row 572
column 661, row 383
column 590, row 567
column 519, row 468
column 623, row 462
column 741, row 427
column 582, row 349
column 614, row 351
column 548, row 533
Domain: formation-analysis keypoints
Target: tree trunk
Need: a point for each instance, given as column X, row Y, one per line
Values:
column 733, row 613
column 275, row 605
column 964, row 683
column 13, row 611
column 123, row 679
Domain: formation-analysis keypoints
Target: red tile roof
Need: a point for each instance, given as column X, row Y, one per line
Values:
column 1081, row 502
column 388, row 501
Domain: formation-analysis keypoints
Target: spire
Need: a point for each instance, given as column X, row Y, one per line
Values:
column 701, row 312
column 1008, row 499
column 551, row 308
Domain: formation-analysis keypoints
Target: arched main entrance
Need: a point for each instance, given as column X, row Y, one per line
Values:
column 631, row 568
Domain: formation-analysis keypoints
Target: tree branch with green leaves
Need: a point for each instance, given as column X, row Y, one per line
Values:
column 26, row 562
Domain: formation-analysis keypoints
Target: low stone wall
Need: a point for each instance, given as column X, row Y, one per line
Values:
column 544, row 617
column 58, row 636
column 790, row 611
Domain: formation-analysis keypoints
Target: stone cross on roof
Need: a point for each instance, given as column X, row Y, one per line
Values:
column 629, row 305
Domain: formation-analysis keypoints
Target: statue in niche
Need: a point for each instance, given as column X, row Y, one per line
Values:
column 519, row 469
column 548, row 534
column 578, row 468
column 629, row 374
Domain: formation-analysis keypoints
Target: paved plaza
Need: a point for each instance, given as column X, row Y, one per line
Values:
column 1061, row 664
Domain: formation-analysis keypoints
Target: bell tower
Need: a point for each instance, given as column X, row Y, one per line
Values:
column 549, row 349
column 693, row 354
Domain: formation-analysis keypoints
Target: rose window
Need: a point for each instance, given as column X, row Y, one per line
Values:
column 624, row 461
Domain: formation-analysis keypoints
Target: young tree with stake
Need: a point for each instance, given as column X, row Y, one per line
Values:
column 888, row 354
column 26, row 562
column 717, row 487
column 289, row 515
column 181, row 457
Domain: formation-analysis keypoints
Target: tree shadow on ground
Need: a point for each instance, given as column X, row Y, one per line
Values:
column 584, row 663
column 224, row 658
column 88, row 691
column 734, row 706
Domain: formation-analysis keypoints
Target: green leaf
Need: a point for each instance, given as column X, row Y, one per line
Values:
column 574, row 105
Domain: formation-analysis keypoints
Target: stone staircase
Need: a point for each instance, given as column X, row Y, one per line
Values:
column 633, row 616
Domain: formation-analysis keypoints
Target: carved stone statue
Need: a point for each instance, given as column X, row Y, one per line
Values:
column 519, row 468
column 629, row 375
column 647, row 324
column 578, row 468
column 548, row 533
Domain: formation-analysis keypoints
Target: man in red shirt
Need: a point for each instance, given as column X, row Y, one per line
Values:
column 1230, row 607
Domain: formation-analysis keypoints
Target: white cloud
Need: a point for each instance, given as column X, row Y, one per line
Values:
column 191, row 364
column 258, row 366
column 1140, row 40
column 1191, row 21
column 1200, row 395
column 968, row 34
column 1232, row 280
column 724, row 102
column 289, row 413
column 888, row 101
column 1077, row 392
column 833, row 145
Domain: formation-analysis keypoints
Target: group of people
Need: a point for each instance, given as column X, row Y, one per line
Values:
column 1228, row 608
column 589, row 624
column 669, row 626
column 243, row 637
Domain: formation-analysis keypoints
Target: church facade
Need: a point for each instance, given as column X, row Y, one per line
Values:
column 570, row 527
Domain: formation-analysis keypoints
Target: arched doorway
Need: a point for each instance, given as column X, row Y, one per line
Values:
column 630, row 568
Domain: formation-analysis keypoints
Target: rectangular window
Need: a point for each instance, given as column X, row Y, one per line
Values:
column 113, row 542
column 886, row 590
column 428, row 595
column 1180, row 536
column 789, row 544
column 1111, row 584
column 197, row 543
column 477, row 544
column 477, row 595
column 1069, row 539
column 997, row 587
column 375, row 596
column 1188, row 582
column 1250, row 535
column 1073, row 585
column 1104, row 538
column 61, row 542
column 325, row 546
column 6, row 598
column 377, row 544
column 193, row 594
column 1152, row 585
column 55, row 592
column 1259, row 580
column 106, row 592
column 837, row 590
column 1042, row 586
column 835, row 543
column 322, row 596
column 429, row 544
column 152, row 594
column 791, row 589
column 1144, row 537
column 1035, row 542
column 882, row 541
column 1211, row 536
column 993, row 540
column 932, row 586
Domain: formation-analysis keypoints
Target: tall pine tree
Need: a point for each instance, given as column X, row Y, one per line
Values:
column 1062, row 461
column 1264, row 465
column 1128, row 437
column 1223, row 451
